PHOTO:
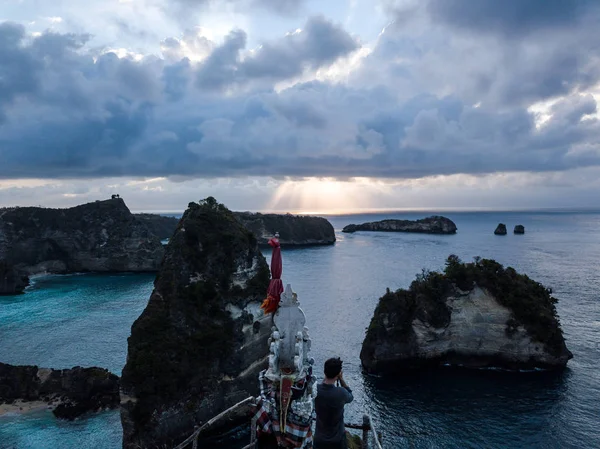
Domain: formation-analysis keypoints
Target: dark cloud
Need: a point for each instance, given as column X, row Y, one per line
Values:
column 319, row 44
column 72, row 112
column 502, row 53
column 512, row 18
column 18, row 70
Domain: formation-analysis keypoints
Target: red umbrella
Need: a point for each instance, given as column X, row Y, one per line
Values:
column 275, row 289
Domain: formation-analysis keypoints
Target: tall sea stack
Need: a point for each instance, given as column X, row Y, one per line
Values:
column 198, row 346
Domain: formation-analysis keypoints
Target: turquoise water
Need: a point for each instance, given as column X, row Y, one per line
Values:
column 67, row 320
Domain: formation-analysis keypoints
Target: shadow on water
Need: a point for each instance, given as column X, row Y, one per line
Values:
column 431, row 408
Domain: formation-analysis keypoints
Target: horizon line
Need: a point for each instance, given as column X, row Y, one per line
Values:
column 367, row 211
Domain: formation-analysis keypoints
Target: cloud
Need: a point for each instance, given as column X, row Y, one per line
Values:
column 511, row 18
column 318, row 44
column 508, row 53
column 424, row 102
column 284, row 7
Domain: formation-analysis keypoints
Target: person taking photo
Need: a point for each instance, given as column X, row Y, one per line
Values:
column 330, row 432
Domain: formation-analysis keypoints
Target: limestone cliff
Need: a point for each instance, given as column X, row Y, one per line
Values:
column 294, row 230
column 12, row 281
column 102, row 236
column 74, row 391
column 429, row 225
column 159, row 225
column 198, row 346
column 474, row 315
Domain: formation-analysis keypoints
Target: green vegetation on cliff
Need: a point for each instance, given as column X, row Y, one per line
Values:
column 532, row 305
column 183, row 344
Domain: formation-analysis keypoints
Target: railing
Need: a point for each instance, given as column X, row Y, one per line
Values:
column 369, row 431
column 231, row 411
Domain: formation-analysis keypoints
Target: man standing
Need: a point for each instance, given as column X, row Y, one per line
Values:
column 330, row 432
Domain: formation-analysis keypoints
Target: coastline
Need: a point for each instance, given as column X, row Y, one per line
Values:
column 21, row 407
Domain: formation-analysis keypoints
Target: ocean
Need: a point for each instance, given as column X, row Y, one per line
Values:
column 63, row 321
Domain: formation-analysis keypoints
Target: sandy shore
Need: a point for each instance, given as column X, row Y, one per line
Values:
column 19, row 407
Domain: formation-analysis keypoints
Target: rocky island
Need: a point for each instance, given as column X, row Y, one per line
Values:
column 201, row 341
column 294, row 230
column 475, row 315
column 430, row 225
column 69, row 392
column 500, row 229
column 100, row 237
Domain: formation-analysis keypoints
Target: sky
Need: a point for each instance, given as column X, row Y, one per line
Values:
column 301, row 105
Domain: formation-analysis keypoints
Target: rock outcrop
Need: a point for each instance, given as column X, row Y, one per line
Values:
column 12, row 281
column 429, row 225
column 161, row 226
column 294, row 230
column 76, row 391
column 519, row 229
column 500, row 229
column 102, row 237
column 200, row 343
column 474, row 315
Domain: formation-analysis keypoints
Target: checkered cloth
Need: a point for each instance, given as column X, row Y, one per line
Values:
column 298, row 431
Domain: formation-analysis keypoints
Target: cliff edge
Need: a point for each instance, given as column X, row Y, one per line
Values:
column 200, row 343
column 102, row 237
column 476, row 314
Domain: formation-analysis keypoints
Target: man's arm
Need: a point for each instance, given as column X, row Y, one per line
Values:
column 349, row 397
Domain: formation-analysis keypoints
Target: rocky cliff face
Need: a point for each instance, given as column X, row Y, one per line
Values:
column 294, row 230
column 430, row 225
column 159, row 225
column 201, row 341
column 473, row 315
column 12, row 281
column 76, row 390
column 103, row 236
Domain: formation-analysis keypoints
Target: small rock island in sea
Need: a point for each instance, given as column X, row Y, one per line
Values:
column 430, row 225
column 500, row 229
column 200, row 343
column 474, row 315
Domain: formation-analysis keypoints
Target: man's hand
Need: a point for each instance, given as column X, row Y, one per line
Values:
column 342, row 381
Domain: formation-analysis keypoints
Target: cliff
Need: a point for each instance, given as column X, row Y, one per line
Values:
column 159, row 225
column 102, row 236
column 75, row 391
column 12, row 281
column 476, row 314
column 294, row 230
column 200, row 343
column 429, row 225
